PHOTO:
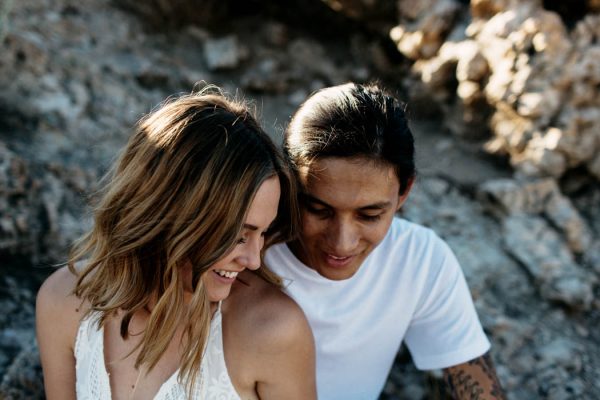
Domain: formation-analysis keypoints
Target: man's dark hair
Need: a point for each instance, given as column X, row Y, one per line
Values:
column 353, row 120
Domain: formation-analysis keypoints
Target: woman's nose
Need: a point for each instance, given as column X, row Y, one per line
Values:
column 250, row 258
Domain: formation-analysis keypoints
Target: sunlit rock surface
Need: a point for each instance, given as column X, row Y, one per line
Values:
column 532, row 78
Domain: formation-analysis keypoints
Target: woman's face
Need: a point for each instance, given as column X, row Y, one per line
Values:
column 246, row 254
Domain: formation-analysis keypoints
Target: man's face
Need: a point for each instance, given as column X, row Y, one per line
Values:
column 347, row 208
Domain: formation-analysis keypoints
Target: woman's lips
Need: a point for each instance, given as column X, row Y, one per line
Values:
column 224, row 279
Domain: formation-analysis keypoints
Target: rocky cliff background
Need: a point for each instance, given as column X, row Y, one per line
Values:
column 505, row 101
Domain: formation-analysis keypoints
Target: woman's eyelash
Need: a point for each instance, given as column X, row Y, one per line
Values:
column 242, row 240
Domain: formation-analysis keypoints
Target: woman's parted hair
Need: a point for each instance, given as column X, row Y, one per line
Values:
column 179, row 193
column 353, row 120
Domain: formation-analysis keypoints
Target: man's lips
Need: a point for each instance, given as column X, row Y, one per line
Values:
column 335, row 261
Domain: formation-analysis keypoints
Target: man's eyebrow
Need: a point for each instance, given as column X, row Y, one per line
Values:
column 375, row 206
column 312, row 199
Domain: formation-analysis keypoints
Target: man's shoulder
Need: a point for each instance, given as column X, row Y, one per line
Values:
column 278, row 249
column 404, row 233
column 280, row 259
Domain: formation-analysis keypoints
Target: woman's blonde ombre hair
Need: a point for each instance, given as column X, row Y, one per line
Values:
column 178, row 194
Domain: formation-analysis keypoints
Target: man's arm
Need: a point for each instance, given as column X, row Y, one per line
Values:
column 474, row 380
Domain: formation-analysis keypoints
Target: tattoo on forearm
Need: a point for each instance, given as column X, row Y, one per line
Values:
column 462, row 384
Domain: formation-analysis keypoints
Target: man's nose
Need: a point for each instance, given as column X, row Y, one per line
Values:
column 343, row 236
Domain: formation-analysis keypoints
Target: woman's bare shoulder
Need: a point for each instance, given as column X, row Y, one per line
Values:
column 272, row 317
column 58, row 287
column 56, row 305
column 270, row 339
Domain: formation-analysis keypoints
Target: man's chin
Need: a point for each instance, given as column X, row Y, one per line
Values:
column 336, row 274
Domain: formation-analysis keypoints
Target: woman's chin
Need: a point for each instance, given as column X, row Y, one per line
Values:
column 218, row 295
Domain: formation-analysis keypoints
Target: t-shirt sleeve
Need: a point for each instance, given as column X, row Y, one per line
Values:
column 445, row 330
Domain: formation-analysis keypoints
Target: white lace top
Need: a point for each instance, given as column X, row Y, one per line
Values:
column 92, row 380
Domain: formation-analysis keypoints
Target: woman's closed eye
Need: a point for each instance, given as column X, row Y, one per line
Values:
column 244, row 239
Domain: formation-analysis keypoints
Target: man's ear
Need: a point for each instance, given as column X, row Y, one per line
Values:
column 402, row 197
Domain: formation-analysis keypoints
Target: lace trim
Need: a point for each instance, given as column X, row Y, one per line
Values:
column 92, row 381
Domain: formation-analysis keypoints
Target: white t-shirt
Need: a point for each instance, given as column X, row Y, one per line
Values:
column 409, row 288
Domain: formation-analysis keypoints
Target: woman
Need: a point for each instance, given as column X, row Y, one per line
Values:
column 164, row 298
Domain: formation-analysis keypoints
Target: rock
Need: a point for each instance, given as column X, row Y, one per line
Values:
column 531, row 104
column 436, row 72
column 544, row 161
column 575, row 287
column 512, row 131
column 412, row 10
column 297, row 97
column 23, row 379
column 487, row 8
column 511, row 70
column 531, row 240
column 436, row 187
column 538, row 80
column 472, row 65
column 365, row 10
column 565, row 216
column 266, row 76
column 536, row 244
column 66, row 104
column 310, row 56
column 36, row 206
column 276, row 34
column 222, row 53
column 425, row 27
column 197, row 33
column 594, row 166
column 16, row 187
column 511, row 333
column 592, row 256
column 558, row 384
column 534, row 198
column 26, row 48
column 512, row 197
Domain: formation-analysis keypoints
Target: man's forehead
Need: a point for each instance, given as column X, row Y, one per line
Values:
column 336, row 169
column 349, row 186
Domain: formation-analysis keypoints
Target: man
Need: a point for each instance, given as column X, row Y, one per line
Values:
column 366, row 279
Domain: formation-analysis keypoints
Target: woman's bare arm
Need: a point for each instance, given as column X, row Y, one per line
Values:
column 57, row 321
column 288, row 356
